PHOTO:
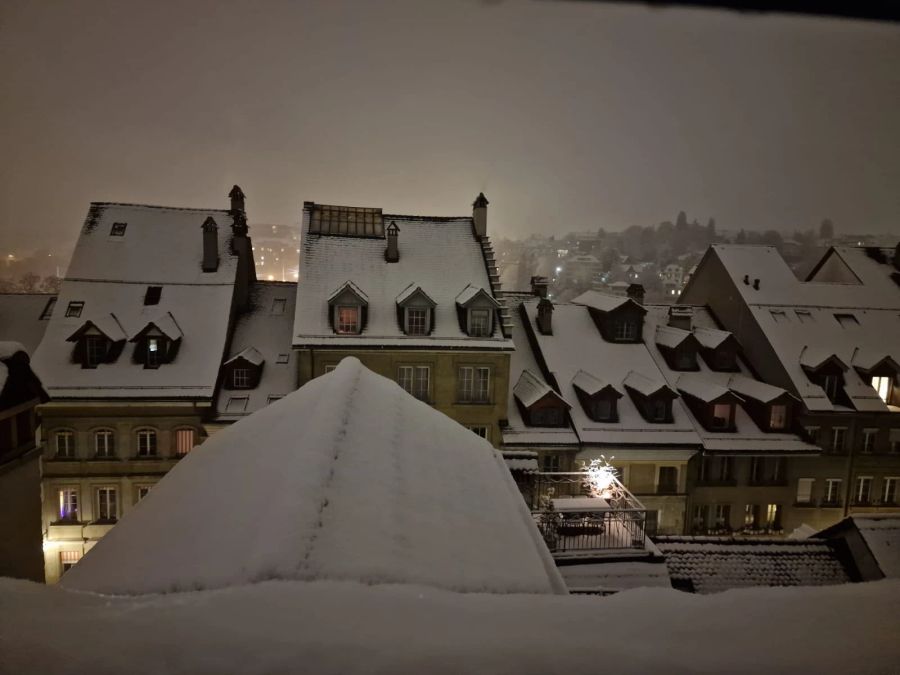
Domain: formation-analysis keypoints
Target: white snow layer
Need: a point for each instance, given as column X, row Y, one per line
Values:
column 347, row 478
column 346, row 628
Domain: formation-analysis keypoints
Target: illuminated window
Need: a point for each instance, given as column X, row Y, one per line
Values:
column 348, row 319
column 721, row 418
column 65, row 444
column 146, row 442
column 805, row 490
column 107, row 503
column 883, row 386
column 104, row 443
column 778, row 417
column 184, row 441
column 773, row 516
column 68, row 504
column 153, row 356
column 68, row 559
column 416, row 321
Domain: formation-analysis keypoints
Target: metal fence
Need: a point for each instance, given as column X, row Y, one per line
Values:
column 583, row 531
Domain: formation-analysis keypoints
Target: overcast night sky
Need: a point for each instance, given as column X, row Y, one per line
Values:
column 569, row 116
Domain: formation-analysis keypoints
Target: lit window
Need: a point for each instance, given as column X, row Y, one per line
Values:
column 68, row 559
column 240, row 378
column 146, row 441
column 118, row 229
column 480, row 322
column 348, row 319
column 474, row 384
column 773, row 516
column 415, row 380
column 416, row 321
column 778, row 417
column 153, row 356
column 94, row 350
column 107, row 504
column 68, row 504
column 184, row 441
column 832, row 491
column 721, row 418
column 65, row 444
column 74, row 309
column 805, row 490
column 104, row 443
column 863, row 492
column 883, row 386
column 889, row 491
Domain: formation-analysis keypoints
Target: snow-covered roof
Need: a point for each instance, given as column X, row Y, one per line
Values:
column 529, row 389
column 611, row 576
column 20, row 318
column 250, row 354
column 759, row 391
column 702, row 388
column 714, row 564
column 591, row 385
column 412, row 290
column 667, row 336
column 10, row 347
column 644, row 385
column 263, row 332
column 710, row 338
column 601, row 301
column 882, row 535
column 110, row 274
column 470, row 292
column 280, row 495
column 348, row 286
column 441, row 255
column 108, row 325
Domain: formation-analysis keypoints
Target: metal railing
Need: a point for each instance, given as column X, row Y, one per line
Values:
column 583, row 531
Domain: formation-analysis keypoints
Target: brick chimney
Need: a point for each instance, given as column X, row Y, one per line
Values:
column 545, row 317
column 210, row 245
column 539, row 286
column 392, row 253
column 681, row 316
column 636, row 293
column 479, row 215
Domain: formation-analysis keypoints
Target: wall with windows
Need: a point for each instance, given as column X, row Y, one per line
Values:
column 469, row 387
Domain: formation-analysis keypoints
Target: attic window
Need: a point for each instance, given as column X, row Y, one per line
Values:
column 721, row 415
column 659, row 410
column 417, row 320
column 778, row 316
column 95, row 348
column 48, row 309
column 282, row 358
column 153, row 294
column 278, row 305
column 153, row 357
column 74, row 309
column 624, row 330
column 118, row 230
column 778, row 417
column 348, row 319
column 479, row 323
column 236, row 404
column 240, row 378
column 803, row 315
column 602, row 409
column 846, row 320
column 883, row 386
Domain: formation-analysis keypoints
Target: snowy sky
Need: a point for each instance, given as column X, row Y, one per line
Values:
column 569, row 116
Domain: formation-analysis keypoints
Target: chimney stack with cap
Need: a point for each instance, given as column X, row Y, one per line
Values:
column 479, row 215
column 636, row 293
column 539, row 286
column 681, row 316
column 392, row 253
column 210, row 245
column 545, row 316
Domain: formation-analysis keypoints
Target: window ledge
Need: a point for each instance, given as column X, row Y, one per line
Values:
column 831, row 505
column 724, row 482
column 805, row 505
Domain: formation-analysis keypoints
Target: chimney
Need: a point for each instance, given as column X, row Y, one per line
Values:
column 545, row 317
column 681, row 316
column 479, row 215
column 756, row 284
column 636, row 293
column 539, row 286
column 392, row 253
column 210, row 245
column 746, row 280
column 237, row 199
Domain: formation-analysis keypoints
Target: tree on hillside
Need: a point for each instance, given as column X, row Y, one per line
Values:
column 826, row 230
column 741, row 237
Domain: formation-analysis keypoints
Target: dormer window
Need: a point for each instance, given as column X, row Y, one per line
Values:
column 538, row 403
column 831, row 384
column 347, row 308
column 722, row 414
column 618, row 319
column 599, row 399
column 659, row 410
column 98, row 341
column 152, row 358
column 778, row 417
column 158, row 342
column 624, row 330
column 240, row 378
column 348, row 319
column 884, row 386
column 243, row 370
column 711, row 403
column 826, row 370
column 415, row 311
column 652, row 398
column 476, row 308
column 417, row 321
column 95, row 348
column 480, row 323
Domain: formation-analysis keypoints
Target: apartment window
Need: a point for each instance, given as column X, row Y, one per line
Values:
column 68, row 559
column 668, row 480
column 118, row 229
column 330, row 367
column 104, row 443
column 833, row 491
column 474, row 384
column 152, row 359
column 68, row 504
column 714, row 469
column 240, row 378
column 773, row 516
column 838, row 438
column 722, row 516
column 107, row 504
column 862, row 493
column 152, row 295
column 278, row 305
column 146, row 442
column 416, row 380
column 142, row 491
column 883, row 386
column 889, row 490
column 74, row 309
column 830, row 384
column 65, row 444
column 417, row 321
column 778, row 417
column 751, row 516
column 480, row 430
column 846, row 320
column 869, row 436
column 479, row 322
column 94, row 350
column 348, row 319
column 550, row 463
column 184, row 441
column 805, row 490
column 700, row 517
column 721, row 417
column 812, row 433
column 624, row 330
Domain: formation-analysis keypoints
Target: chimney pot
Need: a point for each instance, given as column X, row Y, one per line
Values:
column 479, row 215
column 746, row 280
column 756, row 284
column 237, row 199
column 392, row 253
column 210, row 245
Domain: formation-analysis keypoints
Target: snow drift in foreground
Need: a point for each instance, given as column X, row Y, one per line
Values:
column 348, row 478
column 347, row 628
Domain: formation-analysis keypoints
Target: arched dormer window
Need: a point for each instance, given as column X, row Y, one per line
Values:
column 158, row 342
column 348, row 309
column 475, row 310
column 97, row 341
column 415, row 311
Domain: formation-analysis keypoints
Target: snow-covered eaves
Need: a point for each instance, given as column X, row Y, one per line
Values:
column 108, row 325
column 755, row 389
column 815, row 357
column 348, row 286
column 250, row 355
column 470, row 292
column 165, row 324
column 647, row 386
column 590, row 385
column 703, row 389
column 603, row 302
column 530, row 389
column 412, row 291
column 711, row 338
column 669, row 337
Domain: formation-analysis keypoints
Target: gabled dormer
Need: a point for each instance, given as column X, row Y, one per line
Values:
column 599, row 399
column 158, row 342
column 243, row 370
column 348, row 309
column 826, row 370
column 653, row 398
column 475, row 309
column 538, row 403
column 713, row 405
column 618, row 319
column 415, row 311
column 719, row 349
column 881, row 372
column 679, row 347
column 772, row 408
column 98, row 341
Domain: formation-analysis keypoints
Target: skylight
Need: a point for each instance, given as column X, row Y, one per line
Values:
column 153, row 294
column 74, row 309
column 846, row 320
column 118, row 230
column 779, row 316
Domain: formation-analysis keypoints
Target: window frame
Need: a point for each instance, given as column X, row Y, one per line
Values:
column 347, row 328
column 69, row 500
column 74, row 309
column 869, row 437
column 70, row 450
column 718, row 422
column 811, row 486
column 775, row 408
column 409, row 377
column 111, row 505
column 178, row 438
column 118, row 229
column 889, row 489
column 833, row 491
column 480, row 313
column 240, row 378
column 660, row 483
column 863, row 484
column 95, row 349
column 421, row 327
column 152, row 449
column 475, row 393
column 109, row 444
column 835, row 433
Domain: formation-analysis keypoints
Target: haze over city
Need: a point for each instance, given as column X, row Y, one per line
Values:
column 569, row 116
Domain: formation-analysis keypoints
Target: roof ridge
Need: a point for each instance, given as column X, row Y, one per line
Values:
column 161, row 207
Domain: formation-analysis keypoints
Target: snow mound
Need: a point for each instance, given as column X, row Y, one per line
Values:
column 9, row 348
column 347, row 479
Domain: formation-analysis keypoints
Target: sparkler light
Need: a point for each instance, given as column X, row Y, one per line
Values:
column 600, row 480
